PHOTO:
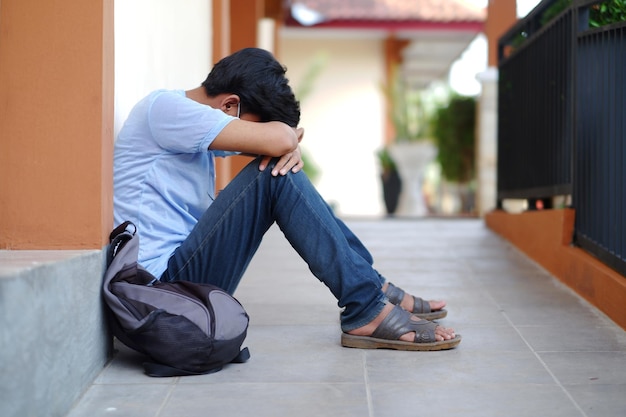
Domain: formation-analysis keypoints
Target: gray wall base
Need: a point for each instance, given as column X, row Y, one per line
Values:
column 53, row 338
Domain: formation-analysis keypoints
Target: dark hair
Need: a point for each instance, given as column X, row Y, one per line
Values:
column 259, row 81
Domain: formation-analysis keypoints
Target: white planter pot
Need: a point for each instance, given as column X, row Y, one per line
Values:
column 412, row 159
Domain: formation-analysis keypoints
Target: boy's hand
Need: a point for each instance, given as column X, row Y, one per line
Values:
column 288, row 162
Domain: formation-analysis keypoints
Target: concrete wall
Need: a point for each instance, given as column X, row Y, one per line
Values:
column 343, row 117
column 159, row 44
column 487, row 142
column 53, row 339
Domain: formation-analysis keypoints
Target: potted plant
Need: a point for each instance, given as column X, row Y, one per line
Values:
column 390, row 179
column 412, row 149
column 454, row 130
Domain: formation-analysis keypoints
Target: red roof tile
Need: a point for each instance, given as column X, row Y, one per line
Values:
column 439, row 11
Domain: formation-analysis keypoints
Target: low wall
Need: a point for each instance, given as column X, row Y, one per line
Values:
column 546, row 236
column 53, row 338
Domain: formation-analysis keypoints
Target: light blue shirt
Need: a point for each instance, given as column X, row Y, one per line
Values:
column 164, row 173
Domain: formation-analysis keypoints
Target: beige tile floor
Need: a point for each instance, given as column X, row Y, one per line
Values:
column 531, row 347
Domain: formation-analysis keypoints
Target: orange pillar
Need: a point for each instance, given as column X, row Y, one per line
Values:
column 274, row 9
column 235, row 25
column 393, row 59
column 501, row 15
column 56, row 123
column 221, row 48
column 244, row 19
column 221, row 29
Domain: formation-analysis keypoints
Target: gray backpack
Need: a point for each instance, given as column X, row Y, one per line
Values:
column 185, row 328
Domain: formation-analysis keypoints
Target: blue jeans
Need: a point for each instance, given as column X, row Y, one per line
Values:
column 222, row 244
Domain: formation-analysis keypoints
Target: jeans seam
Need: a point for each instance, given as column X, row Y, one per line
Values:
column 215, row 227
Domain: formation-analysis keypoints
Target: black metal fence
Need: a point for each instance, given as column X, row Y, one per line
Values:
column 561, row 119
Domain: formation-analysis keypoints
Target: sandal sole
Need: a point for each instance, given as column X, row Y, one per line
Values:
column 368, row 342
column 433, row 315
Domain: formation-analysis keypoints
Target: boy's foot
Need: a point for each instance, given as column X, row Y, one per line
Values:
column 396, row 328
column 441, row 333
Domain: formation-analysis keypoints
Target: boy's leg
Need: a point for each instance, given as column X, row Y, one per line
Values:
column 220, row 247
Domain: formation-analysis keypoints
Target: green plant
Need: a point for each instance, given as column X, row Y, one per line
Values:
column 304, row 88
column 608, row 12
column 310, row 168
column 302, row 91
column 406, row 109
column 600, row 14
column 453, row 128
column 554, row 10
column 387, row 164
column 390, row 179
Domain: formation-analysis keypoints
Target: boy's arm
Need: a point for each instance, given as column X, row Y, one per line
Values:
column 291, row 161
column 270, row 138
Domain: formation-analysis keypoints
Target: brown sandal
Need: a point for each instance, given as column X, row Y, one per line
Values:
column 397, row 323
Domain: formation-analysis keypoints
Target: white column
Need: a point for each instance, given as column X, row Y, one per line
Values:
column 487, row 142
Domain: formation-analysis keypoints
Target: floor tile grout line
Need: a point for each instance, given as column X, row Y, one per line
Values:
column 528, row 345
column 368, row 391
column 546, row 367
column 167, row 397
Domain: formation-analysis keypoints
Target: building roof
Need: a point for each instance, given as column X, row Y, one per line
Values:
column 438, row 30
column 351, row 13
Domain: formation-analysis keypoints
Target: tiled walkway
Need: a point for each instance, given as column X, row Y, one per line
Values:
column 531, row 347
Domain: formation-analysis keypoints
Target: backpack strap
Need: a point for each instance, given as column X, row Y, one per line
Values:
column 121, row 256
column 118, row 238
column 244, row 355
column 159, row 370
column 121, row 229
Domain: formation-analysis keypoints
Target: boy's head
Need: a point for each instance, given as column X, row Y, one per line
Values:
column 259, row 80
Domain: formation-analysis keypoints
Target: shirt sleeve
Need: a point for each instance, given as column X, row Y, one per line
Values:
column 179, row 124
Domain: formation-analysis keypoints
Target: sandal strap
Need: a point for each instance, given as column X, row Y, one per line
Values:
column 399, row 322
column 420, row 306
column 395, row 295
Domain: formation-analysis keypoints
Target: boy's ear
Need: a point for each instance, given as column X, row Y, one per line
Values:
column 229, row 101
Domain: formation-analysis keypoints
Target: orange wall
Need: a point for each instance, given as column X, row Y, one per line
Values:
column 235, row 25
column 393, row 48
column 244, row 19
column 56, row 118
column 501, row 15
